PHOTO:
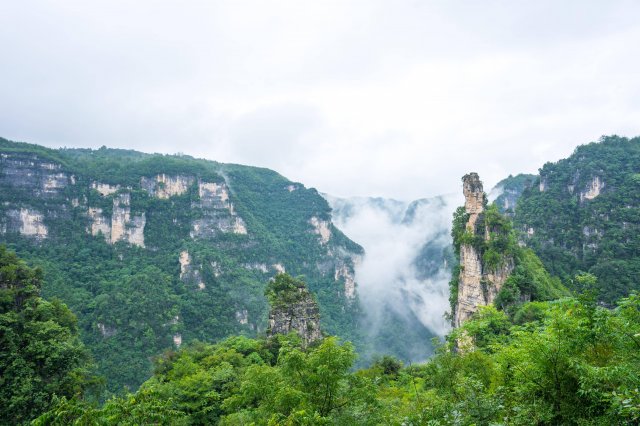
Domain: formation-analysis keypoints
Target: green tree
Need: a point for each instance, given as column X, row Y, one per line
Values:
column 40, row 352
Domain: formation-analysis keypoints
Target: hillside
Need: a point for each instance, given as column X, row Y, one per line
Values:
column 583, row 214
column 506, row 193
column 154, row 251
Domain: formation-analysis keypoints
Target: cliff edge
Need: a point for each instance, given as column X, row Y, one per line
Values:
column 483, row 271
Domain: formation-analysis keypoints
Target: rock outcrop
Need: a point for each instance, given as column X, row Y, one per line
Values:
column 27, row 222
column 321, row 228
column 593, row 190
column 188, row 272
column 218, row 213
column 477, row 284
column 164, row 186
column 344, row 272
column 123, row 226
column 105, row 189
column 293, row 308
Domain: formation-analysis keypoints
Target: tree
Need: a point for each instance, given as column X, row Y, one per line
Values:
column 40, row 352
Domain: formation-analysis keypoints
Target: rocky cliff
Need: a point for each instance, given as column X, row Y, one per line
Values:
column 479, row 282
column 293, row 308
column 152, row 251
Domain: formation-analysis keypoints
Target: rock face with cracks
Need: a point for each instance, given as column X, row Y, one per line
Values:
column 478, row 284
column 293, row 308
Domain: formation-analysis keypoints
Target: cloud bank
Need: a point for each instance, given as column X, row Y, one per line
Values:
column 404, row 271
column 396, row 99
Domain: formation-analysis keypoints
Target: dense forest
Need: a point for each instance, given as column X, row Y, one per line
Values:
column 568, row 361
column 583, row 214
column 559, row 344
column 188, row 264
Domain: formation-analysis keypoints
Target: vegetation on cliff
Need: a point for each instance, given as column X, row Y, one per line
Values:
column 583, row 214
column 509, row 191
column 496, row 242
column 197, row 276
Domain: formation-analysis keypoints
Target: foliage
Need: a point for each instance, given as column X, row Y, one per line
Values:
column 131, row 302
column 576, row 363
column 572, row 233
column 40, row 352
column 284, row 290
column 239, row 381
column 495, row 240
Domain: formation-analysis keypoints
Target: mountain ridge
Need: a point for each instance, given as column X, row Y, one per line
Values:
column 152, row 251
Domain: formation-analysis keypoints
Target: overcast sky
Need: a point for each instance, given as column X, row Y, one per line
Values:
column 386, row 98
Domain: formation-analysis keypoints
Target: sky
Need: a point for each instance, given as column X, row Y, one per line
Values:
column 389, row 98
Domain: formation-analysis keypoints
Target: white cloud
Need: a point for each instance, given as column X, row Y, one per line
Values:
column 397, row 99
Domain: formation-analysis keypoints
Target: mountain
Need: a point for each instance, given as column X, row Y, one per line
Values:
column 583, row 214
column 492, row 269
column 565, row 361
column 506, row 193
column 153, row 251
column 404, row 273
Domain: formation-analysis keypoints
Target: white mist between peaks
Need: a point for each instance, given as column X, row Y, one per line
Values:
column 387, row 276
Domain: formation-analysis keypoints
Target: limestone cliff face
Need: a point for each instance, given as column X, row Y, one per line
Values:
column 344, row 272
column 122, row 226
column 593, row 190
column 29, row 185
column 28, row 222
column 30, row 173
column 105, row 189
column 477, row 285
column 190, row 273
column 164, row 186
column 321, row 228
column 218, row 213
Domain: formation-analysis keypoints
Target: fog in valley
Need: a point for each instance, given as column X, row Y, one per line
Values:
column 404, row 275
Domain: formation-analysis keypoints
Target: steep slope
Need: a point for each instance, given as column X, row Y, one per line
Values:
column 152, row 251
column 492, row 268
column 506, row 193
column 293, row 309
column 583, row 214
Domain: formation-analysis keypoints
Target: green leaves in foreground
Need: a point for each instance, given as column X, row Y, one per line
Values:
column 40, row 352
column 571, row 363
column 236, row 382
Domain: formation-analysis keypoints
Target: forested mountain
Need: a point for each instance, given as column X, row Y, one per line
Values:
column 168, row 262
column 512, row 361
column 153, row 251
column 507, row 192
column 583, row 214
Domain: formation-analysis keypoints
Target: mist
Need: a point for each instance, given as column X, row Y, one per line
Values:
column 404, row 275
